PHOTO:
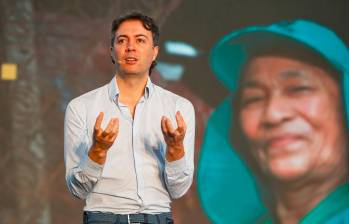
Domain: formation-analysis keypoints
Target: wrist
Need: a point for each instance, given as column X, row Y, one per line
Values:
column 174, row 153
column 97, row 154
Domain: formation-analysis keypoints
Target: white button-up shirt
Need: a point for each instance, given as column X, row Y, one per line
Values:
column 136, row 176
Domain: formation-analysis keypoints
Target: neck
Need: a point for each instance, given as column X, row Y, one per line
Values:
column 131, row 87
column 292, row 201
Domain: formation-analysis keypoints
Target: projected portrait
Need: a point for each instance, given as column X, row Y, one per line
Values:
column 283, row 131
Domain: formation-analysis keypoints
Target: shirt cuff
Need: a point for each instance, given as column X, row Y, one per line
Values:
column 175, row 167
column 91, row 168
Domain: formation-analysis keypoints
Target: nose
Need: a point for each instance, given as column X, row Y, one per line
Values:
column 276, row 111
column 130, row 46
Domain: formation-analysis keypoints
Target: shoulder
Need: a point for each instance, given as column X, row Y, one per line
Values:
column 173, row 98
column 89, row 98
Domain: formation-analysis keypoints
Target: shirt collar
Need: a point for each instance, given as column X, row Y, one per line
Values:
column 149, row 88
column 114, row 91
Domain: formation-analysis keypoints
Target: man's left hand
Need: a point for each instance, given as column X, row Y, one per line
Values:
column 174, row 137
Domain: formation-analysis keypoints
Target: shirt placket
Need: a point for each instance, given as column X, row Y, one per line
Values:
column 137, row 147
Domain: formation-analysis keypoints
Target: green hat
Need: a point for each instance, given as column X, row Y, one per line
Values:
column 227, row 189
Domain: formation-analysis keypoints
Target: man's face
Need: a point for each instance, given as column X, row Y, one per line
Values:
column 291, row 116
column 133, row 48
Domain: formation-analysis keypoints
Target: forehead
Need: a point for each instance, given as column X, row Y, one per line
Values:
column 268, row 67
column 132, row 27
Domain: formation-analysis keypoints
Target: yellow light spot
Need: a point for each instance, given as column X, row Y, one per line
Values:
column 8, row 71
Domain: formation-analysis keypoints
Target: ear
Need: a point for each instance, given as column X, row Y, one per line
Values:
column 155, row 52
column 112, row 55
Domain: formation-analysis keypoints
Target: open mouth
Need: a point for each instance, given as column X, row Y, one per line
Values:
column 130, row 60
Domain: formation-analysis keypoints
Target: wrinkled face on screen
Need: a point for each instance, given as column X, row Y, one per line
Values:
column 292, row 118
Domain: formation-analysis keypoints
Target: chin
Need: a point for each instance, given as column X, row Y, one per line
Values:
column 285, row 170
column 130, row 72
column 287, row 175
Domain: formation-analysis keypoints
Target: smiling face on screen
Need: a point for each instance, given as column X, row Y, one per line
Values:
column 292, row 117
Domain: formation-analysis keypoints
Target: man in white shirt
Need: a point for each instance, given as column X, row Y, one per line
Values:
column 123, row 153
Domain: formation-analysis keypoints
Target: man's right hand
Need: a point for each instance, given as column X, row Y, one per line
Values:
column 103, row 140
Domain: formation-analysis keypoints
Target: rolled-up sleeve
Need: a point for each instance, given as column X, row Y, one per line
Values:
column 81, row 172
column 179, row 173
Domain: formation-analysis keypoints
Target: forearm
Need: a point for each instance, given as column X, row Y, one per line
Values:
column 178, row 177
column 81, row 172
column 82, row 178
column 179, row 164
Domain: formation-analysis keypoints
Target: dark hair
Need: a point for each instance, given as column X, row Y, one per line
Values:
column 148, row 24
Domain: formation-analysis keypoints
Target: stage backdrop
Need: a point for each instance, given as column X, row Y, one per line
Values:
column 52, row 51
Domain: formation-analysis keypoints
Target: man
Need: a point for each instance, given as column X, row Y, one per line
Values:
column 289, row 122
column 123, row 154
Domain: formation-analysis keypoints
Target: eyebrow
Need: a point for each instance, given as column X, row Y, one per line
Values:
column 287, row 74
column 137, row 35
column 292, row 73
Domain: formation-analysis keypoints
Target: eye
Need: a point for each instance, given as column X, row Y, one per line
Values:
column 121, row 41
column 299, row 89
column 252, row 96
column 249, row 98
column 141, row 40
column 246, row 101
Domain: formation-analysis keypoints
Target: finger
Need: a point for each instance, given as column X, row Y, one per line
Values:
column 109, row 128
column 112, row 139
column 180, row 123
column 169, row 127
column 115, row 129
column 99, row 120
column 163, row 125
